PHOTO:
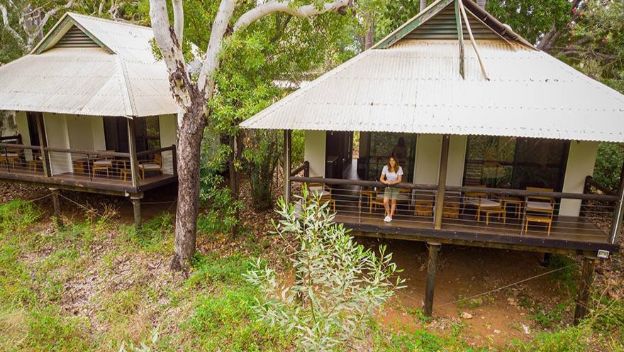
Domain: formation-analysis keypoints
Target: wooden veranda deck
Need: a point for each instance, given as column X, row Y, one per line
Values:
column 99, row 184
column 567, row 234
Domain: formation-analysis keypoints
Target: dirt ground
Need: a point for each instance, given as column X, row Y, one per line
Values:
column 463, row 272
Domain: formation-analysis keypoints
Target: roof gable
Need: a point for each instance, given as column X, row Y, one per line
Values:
column 68, row 32
column 439, row 22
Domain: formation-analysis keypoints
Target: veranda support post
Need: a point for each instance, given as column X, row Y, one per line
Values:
column 287, row 154
column 584, row 290
column 439, row 201
column 43, row 145
column 616, row 223
column 56, row 203
column 133, row 153
column 432, row 264
column 136, row 209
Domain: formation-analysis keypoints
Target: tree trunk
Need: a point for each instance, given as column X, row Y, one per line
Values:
column 189, row 147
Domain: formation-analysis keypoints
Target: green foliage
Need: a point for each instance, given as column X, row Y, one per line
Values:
column 221, row 209
column 532, row 18
column 262, row 156
column 609, row 165
column 551, row 317
column 572, row 339
column 339, row 285
column 594, row 44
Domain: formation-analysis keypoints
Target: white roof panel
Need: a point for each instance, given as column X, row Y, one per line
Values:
column 90, row 81
column 414, row 86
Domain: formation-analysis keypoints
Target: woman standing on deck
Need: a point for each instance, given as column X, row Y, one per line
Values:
column 391, row 174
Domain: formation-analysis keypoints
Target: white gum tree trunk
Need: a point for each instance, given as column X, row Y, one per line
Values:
column 193, row 96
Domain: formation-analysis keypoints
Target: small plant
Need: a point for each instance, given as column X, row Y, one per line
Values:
column 338, row 284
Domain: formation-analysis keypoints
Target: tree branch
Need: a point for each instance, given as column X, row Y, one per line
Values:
column 273, row 6
column 171, row 52
column 7, row 26
column 211, row 61
column 178, row 20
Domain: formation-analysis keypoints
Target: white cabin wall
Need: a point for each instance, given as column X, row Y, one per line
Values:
column 97, row 131
column 427, row 163
column 456, row 161
column 581, row 162
column 428, row 148
column 57, row 136
column 168, row 137
column 314, row 152
column 21, row 121
column 79, row 131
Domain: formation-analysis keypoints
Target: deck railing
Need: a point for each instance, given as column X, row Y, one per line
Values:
column 88, row 165
column 531, row 212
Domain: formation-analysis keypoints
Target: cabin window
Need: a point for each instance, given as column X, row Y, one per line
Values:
column 509, row 162
column 147, row 133
column 376, row 147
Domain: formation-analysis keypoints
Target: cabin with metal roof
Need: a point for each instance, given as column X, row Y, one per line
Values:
column 93, row 111
column 496, row 139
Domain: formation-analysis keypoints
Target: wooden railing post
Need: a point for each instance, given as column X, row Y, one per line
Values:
column 439, row 201
column 174, row 160
column 616, row 223
column 287, row 146
column 133, row 154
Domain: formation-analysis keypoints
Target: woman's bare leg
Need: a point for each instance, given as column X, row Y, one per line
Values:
column 393, row 208
column 386, row 206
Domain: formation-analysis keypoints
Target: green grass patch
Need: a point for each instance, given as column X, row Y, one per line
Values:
column 210, row 270
column 226, row 321
column 48, row 330
column 154, row 235
column 16, row 216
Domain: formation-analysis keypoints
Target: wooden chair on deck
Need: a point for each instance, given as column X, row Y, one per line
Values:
column 154, row 165
column 484, row 205
column 323, row 192
column 539, row 209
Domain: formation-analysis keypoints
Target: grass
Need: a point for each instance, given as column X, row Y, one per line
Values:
column 96, row 284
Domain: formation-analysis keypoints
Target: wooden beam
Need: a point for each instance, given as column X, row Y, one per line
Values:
column 584, row 290
column 134, row 165
column 439, row 200
column 287, row 155
column 472, row 39
column 432, row 263
column 43, row 144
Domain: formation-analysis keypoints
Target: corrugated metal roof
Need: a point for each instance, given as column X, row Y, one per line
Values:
column 121, row 77
column 415, row 86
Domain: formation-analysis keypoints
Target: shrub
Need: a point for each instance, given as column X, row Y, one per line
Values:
column 221, row 208
column 338, row 284
column 609, row 165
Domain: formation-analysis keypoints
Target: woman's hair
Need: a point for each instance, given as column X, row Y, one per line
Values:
column 396, row 164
